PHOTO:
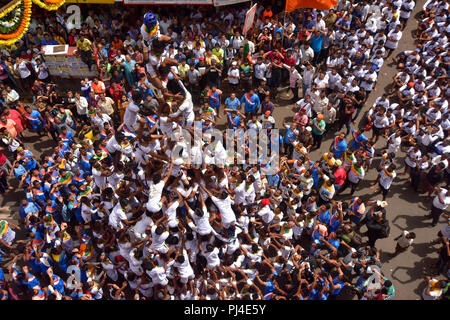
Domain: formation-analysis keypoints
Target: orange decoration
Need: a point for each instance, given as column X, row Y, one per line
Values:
column 317, row 4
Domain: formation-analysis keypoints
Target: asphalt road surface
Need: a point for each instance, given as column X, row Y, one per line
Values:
column 405, row 211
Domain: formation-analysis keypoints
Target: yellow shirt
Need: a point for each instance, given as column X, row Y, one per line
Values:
column 183, row 70
column 84, row 45
column 219, row 54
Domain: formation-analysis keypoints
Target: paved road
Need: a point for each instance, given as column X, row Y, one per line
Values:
column 405, row 211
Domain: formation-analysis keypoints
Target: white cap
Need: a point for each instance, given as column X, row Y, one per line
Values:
column 308, row 128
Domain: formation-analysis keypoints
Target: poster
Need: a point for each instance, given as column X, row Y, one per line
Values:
column 186, row 2
column 66, row 65
column 249, row 18
column 218, row 3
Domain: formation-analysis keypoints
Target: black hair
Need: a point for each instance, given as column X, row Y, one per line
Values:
column 123, row 202
column 159, row 230
column 199, row 212
column 156, row 178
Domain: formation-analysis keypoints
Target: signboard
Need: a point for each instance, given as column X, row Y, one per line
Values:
column 186, row 2
column 62, row 62
column 91, row 1
column 249, row 18
column 218, row 3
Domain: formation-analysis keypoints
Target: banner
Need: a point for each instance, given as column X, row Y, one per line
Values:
column 291, row 5
column 91, row 1
column 186, row 2
column 249, row 18
column 218, row 3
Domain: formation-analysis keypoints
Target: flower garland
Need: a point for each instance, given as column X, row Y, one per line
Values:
column 15, row 20
column 9, row 9
column 11, row 21
column 16, row 30
column 49, row 4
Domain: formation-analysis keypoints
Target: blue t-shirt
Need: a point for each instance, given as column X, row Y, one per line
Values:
column 289, row 135
column 325, row 217
column 19, row 171
column 341, row 285
column 232, row 104
column 51, row 42
column 234, row 122
column 315, row 176
column 334, row 224
column 273, row 180
column 316, row 43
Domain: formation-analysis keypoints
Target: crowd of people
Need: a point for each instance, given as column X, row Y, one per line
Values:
column 112, row 213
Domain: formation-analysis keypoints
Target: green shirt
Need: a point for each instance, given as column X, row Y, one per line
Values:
column 219, row 54
column 320, row 124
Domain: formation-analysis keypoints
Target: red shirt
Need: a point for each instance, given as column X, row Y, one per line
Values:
column 2, row 159
column 290, row 61
column 340, row 175
column 15, row 116
column 116, row 92
column 273, row 55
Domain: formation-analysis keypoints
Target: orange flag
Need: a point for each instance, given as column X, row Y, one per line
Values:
column 291, row 5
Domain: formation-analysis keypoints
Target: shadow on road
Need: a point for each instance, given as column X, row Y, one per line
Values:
column 411, row 222
column 419, row 270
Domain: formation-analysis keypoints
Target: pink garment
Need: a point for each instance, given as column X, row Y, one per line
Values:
column 301, row 119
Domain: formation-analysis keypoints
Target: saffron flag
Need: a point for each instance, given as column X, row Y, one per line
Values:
column 291, row 5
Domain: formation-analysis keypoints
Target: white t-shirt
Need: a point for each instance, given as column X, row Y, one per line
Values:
column 130, row 116
column 154, row 198
column 266, row 214
column 225, row 209
column 235, row 73
column 260, row 70
column 353, row 177
column 171, row 212
column 403, row 241
column 184, row 268
column 202, row 223
column 142, row 224
column 411, row 156
column 158, row 241
column 396, row 36
column 158, row 275
column 381, row 122
column 212, row 258
column 8, row 236
column 116, row 217
column 23, row 70
column 385, row 180
column 446, row 199
column 239, row 193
